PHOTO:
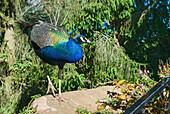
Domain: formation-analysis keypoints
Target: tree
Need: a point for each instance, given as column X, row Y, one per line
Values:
column 149, row 41
column 142, row 26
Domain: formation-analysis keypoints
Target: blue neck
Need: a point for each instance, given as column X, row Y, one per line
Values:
column 75, row 49
column 66, row 52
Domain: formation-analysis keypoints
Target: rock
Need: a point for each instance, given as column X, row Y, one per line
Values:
column 85, row 99
column 40, row 105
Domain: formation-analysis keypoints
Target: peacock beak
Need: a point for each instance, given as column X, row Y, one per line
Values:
column 88, row 41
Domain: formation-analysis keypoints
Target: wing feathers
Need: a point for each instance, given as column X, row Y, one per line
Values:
column 45, row 34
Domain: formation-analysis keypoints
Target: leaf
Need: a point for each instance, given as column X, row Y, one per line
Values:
column 137, row 81
column 114, row 82
column 155, row 102
column 129, row 91
column 118, row 84
column 122, row 96
column 122, row 82
column 140, row 92
column 124, row 90
column 125, row 42
column 109, row 99
column 146, row 45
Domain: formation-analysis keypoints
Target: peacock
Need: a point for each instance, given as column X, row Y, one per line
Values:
column 55, row 46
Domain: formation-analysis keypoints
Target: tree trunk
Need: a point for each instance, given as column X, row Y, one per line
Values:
column 9, row 38
column 10, row 50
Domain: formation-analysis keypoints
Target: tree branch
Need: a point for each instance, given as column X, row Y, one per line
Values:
column 146, row 11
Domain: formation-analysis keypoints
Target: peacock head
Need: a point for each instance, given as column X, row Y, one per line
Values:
column 82, row 39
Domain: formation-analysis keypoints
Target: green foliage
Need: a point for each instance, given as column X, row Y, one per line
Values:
column 105, row 60
column 3, row 64
column 14, row 76
column 10, row 104
column 26, row 77
column 164, row 69
column 7, row 12
column 144, row 39
column 150, row 41
column 159, row 103
column 128, row 95
column 71, row 79
column 28, row 109
column 27, row 73
column 141, row 42
column 83, row 111
column 93, row 13
column 130, row 92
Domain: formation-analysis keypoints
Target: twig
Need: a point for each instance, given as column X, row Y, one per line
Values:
column 38, row 4
column 102, row 35
column 64, row 19
column 58, row 16
column 145, row 11
column 59, row 9
column 143, row 14
column 166, row 104
column 49, row 16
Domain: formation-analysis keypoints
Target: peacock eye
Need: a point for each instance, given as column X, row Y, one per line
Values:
column 82, row 39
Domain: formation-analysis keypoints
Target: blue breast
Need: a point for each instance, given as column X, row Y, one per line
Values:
column 65, row 52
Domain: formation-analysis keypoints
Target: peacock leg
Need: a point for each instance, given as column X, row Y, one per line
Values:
column 59, row 77
column 50, row 85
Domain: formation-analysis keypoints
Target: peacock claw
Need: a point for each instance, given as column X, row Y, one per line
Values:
column 63, row 100
column 50, row 85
